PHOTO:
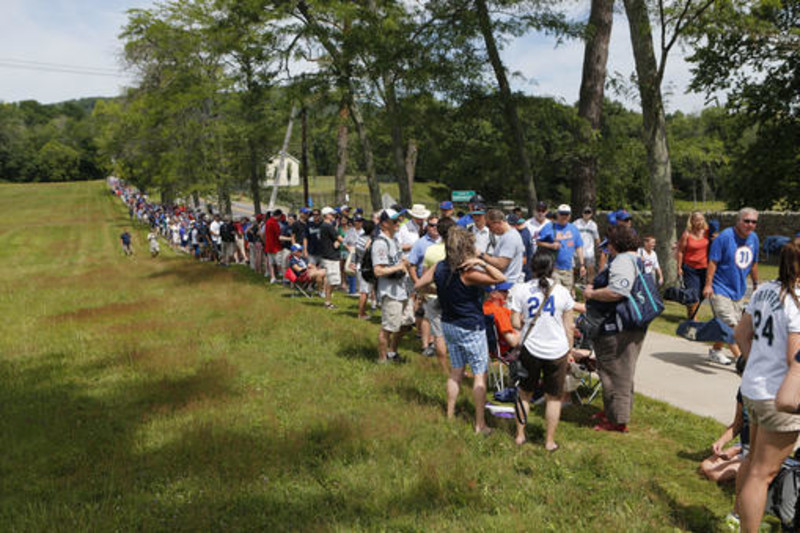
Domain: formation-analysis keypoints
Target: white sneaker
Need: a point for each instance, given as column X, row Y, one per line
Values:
column 716, row 356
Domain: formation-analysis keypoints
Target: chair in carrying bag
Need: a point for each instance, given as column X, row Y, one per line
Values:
column 712, row 331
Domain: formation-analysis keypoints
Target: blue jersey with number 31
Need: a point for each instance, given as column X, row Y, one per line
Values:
column 734, row 257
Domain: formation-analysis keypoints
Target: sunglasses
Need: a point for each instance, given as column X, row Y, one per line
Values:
column 750, row 221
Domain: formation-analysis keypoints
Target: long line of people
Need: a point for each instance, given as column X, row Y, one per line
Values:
column 430, row 270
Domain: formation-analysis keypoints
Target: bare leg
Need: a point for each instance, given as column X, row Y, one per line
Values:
column 453, row 388
column 383, row 343
column 525, row 396
column 441, row 353
column 765, row 463
column 552, row 414
column 424, row 331
column 362, row 304
column 479, row 397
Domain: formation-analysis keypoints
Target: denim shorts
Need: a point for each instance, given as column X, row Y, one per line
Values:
column 467, row 346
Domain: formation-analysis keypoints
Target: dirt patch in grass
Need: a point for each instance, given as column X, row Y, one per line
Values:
column 111, row 310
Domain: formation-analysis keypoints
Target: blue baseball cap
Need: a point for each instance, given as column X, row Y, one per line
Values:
column 297, row 247
column 622, row 214
column 446, row 205
column 505, row 286
column 305, row 210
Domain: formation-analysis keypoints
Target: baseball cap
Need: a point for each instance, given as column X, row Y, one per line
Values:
column 622, row 214
column 447, row 204
column 389, row 214
column 477, row 199
column 327, row 211
column 541, row 206
column 297, row 247
column 357, row 218
column 512, row 219
column 305, row 210
column 480, row 209
column 564, row 209
column 505, row 286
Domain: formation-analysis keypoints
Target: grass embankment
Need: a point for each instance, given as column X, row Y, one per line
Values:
column 166, row 394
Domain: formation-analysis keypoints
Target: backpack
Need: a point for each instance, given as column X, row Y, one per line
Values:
column 367, row 268
column 643, row 304
column 783, row 495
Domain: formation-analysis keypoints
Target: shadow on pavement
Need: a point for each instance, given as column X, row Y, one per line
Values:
column 688, row 360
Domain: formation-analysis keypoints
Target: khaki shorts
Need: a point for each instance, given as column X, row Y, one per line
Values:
column 396, row 313
column 727, row 310
column 433, row 312
column 332, row 272
column 763, row 413
column 564, row 277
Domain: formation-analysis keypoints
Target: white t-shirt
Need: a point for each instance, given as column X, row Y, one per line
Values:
column 650, row 260
column 536, row 227
column 589, row 234
column 773, row 320
column 213, row 228
column 548, row 340
column 482, row 238
column 407, row 235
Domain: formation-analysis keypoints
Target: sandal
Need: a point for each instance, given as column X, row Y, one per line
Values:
column 329, row 305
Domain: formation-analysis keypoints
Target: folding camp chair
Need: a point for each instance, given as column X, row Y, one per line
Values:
column 496, row 371
column 300, row 287
column 584, row 368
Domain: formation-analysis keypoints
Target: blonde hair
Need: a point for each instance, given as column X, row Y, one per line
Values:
column 459, row 247
column 690, row 227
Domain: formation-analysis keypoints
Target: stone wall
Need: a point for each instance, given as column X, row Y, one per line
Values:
column 769, row 222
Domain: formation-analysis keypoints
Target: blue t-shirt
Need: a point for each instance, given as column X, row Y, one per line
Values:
column 298, row 262
column 570, row 238
column 417, row 253
column 734, row 257
column 465, row 221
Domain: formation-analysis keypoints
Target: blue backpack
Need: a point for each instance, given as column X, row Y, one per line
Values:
column 642, row 305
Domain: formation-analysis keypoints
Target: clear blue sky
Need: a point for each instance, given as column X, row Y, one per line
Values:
column 41, row 34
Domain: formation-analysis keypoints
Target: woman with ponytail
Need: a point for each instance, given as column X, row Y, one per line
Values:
column 769, row 336
column 542, row 309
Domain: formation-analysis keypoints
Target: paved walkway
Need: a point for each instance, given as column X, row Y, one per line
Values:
column 678, row 372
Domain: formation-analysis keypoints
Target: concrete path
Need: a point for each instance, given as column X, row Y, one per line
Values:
column 678, row 372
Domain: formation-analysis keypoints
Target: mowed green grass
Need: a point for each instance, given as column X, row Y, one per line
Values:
column 141, row 394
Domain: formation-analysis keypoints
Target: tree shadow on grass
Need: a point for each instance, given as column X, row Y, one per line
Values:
column 358, row 349
column 685, row 517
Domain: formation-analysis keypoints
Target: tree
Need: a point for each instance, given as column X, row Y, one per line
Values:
column 590, row 104
column 58, row 162
column 650, row 75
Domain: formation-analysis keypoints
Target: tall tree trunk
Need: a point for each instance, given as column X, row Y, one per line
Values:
column 509, row 105
column 393, row 113
column 340, row 180
column 411, row 162
column 255, row 182
column 196, row 199
column 224, row 197
column 304, row 153
column 590, row 106
column 655, row 133
column 369, row 160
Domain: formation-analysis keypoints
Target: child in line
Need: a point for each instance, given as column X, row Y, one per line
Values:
column 648, row 255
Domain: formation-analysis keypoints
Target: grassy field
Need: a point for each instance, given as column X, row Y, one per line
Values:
column 141, row 394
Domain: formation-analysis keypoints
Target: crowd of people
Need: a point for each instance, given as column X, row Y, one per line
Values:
column 440, row 272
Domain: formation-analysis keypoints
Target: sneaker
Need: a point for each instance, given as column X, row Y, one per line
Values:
column 429, row 351
column 716, row 356
column 608, row 426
